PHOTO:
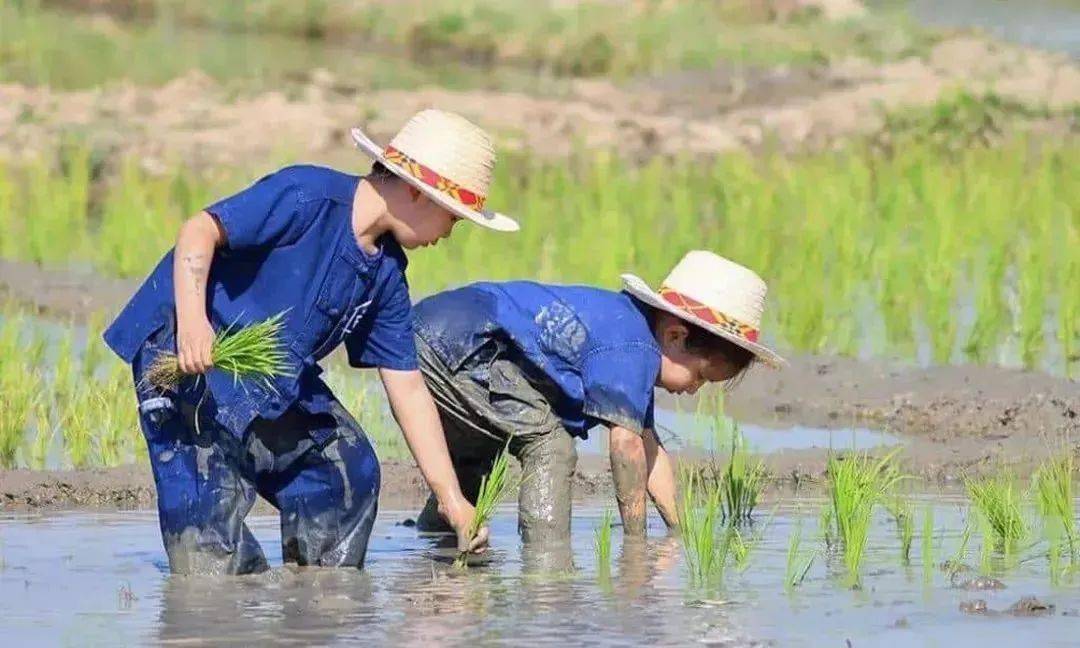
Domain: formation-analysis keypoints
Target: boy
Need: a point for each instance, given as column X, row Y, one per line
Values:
column 540, row 365
column 326, row 249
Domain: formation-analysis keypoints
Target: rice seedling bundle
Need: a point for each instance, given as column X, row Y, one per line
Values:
column 602, row 543
column 706, row 541
column 857, row 484
column 493, row 488
column 904, row 515
column 742, row 481
column 797, row 566
column 254, row 352
column 1053, row 487
column 998, row 501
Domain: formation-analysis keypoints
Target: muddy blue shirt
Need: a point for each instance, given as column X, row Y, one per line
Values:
column 596, row 346
column 290, row 248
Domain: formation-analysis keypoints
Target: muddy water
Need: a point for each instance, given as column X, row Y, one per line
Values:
column 91, row 579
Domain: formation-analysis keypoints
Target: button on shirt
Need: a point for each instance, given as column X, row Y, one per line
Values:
column 596, row 346
column 290, row 248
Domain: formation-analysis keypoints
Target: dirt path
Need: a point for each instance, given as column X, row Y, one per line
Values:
column 195, row 121
column 953, row 421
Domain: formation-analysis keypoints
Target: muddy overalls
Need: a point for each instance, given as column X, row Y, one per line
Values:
column 538, row 366
column 290, row 248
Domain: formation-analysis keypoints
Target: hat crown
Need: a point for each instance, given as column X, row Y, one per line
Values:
column 720, row 284
column 449, row 145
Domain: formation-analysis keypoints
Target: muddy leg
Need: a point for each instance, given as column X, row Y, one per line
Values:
column 329, row 496
column 547, row 465
column 202, row 495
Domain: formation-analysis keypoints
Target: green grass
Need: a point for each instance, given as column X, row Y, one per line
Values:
column 857, row 484
column 797, row 565
column 602, row 543
column 252, row 352
column 1053, row 488
column 493, row 488
column 998, row 501
column 20, row 394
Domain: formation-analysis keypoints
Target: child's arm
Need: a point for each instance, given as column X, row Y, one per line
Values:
column 661, row 484
column 194, row 252
column 630, row 472
column 415, row 412
column 640, row 466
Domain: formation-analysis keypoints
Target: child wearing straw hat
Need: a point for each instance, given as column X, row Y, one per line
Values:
column 538, row 365
column 325, row 250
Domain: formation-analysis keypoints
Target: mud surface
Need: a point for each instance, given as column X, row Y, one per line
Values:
column 194, row 120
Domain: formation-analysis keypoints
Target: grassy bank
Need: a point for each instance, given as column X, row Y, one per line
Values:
column 965, row 254
column 576, row 39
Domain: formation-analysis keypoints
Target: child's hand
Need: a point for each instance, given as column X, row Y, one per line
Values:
column 460, row 517
column 194, row 340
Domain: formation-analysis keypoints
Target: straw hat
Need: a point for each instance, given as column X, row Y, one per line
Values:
column 714, row 293
column 448, row 158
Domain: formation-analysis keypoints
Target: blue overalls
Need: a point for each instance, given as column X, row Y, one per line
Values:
column 290, row 248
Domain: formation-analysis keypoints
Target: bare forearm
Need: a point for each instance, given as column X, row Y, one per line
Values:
column 629, row 471
column 415, row 412
column 194, row 252
column 661, row 485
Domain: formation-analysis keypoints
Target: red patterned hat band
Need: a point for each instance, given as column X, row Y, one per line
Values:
column 431, row 178
column 710, row 315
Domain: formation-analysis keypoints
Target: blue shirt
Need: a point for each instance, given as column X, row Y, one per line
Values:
column 596, row 346
column 290, row 248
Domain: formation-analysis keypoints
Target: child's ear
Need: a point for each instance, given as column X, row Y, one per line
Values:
column 674, row 334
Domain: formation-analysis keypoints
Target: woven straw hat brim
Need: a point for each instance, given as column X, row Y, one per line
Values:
column 489, row 219
column 637, row 287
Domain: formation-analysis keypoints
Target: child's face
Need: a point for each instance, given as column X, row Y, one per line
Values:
column 422, row 222
column 683, row 371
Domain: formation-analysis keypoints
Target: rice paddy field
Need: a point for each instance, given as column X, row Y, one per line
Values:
column 908, row 480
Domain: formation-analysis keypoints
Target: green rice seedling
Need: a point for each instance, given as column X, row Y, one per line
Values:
column 253, row 352
column 857, row 483
column 1052, row 484
column 20, row 394
column 952, row 566
column 998, row 501
column 825, row 526
column 64, row 373
column 705, row 544
column 43, row 440
column 742, row 481
column 95, row 352
column 797, row 566
column 77, row 427
column 493, row 488
column 903, row 514
column 602, row 544
column 928, row 544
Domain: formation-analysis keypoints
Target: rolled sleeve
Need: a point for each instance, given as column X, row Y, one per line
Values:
column 265, row 215
column 618, row 385
column 386, row 339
